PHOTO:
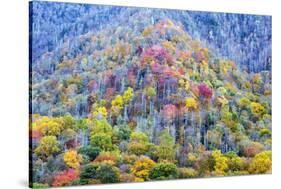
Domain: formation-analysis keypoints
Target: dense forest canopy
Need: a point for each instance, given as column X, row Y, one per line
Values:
column 123, row 94
column 245, row 39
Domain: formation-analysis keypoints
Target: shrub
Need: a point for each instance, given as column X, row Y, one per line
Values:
column 52, row 128
column 65, row 178
column 166, row 149
column 107, row 173
column 108, row 157
column 142, row 167
column 257, row 109
column 88, row 173
column 129, row 159
column 138, row 143
column 220, row 163
column 39, row 185
column 261, row 163
column 139, row 137
column 90, row 151
column 72, row 159
column 101, row 126
column 48, row 145
column 235, row 163
column 265, row 132
column 252, row 148
column 244, row 102
column 204, row 163
column 102, row 141
column 48, row 126
column 187, row 173
column 68, row 122
column 69, row 138
column 121, row 132
column 125, row 177
column 162, row 171
column 137, row 148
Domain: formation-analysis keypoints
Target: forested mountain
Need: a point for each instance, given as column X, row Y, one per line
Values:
column 245, row 39
column 123, row 94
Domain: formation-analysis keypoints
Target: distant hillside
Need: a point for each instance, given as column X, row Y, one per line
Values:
column 246, row 39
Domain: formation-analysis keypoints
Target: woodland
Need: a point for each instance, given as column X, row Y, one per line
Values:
column 123, row 94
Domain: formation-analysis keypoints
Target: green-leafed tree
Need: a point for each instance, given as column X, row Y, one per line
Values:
column 166, row 149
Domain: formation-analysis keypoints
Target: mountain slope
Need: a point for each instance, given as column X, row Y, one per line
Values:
column 246, row 39
column 142, row 85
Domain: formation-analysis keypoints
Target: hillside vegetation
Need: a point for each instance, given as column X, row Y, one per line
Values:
column 143, row 100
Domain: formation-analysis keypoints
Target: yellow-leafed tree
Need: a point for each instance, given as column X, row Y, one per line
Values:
column 72, row 159
column 142, row 167
column 191, row 104
column 261, row 163
column 48, row 146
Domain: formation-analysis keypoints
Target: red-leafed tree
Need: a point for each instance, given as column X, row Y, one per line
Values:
column 156, row 68
column 36, row 135
column 205, row 91
column 65, row 178
column 169, row 111
column 156, row 54
column 168, row 72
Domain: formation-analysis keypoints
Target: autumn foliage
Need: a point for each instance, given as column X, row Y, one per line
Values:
column 141, row 98
column 65, row 178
